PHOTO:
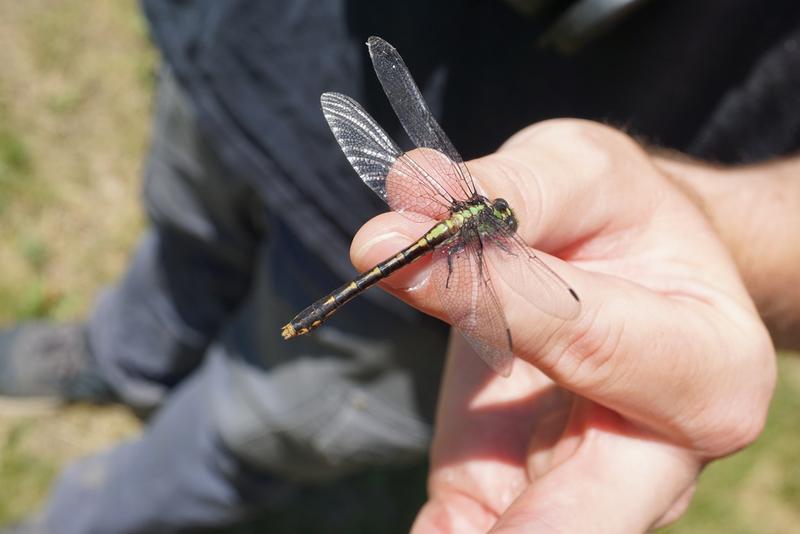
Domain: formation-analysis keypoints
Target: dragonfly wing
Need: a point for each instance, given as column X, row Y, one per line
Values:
column 403, row 181
column 413, row 113
column 521, row 268
column 471, row 304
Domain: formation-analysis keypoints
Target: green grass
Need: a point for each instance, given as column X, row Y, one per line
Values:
column 16, row 165
column 25, row 475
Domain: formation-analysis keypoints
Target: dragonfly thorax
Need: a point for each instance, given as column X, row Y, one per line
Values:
column 481, row 214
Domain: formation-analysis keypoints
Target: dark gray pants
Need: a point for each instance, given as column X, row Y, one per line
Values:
column 193, row 330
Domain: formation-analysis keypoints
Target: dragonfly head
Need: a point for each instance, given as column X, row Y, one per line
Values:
column 503, row 211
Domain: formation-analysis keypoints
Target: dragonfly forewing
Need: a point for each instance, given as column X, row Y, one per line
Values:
column 413, row 113
column 406, row 183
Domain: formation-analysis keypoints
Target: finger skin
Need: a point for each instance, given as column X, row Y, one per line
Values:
column 661, row 300
column 500, row 464
column 613, row 483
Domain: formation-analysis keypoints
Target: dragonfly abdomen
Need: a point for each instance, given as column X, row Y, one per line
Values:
column 316, row 314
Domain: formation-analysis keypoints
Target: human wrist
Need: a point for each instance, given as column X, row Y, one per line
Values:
column 755, row 210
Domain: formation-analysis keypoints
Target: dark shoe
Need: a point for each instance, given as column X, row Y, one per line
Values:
column 51, row 360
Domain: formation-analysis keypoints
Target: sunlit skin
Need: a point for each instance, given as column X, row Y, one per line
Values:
column 607, row 424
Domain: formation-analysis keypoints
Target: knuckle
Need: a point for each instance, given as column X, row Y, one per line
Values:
column 576, row 134
column 737, row 418
column 732, row 432
column 754, row 403
column 604, row 152
column 588, row 358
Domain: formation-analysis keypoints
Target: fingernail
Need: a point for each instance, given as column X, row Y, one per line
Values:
column 404, row 279
column 364, row 249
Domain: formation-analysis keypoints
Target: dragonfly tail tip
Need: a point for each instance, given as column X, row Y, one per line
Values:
column 288, row 331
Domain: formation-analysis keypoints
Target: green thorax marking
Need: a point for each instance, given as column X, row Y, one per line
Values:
column 480, row 212
column 456, row 220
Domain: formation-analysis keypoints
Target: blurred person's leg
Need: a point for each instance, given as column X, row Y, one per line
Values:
column 307, row 411
column 263, row 417
column 359, row 392
column 175, row 477
column 235, row 439
column 190, row 270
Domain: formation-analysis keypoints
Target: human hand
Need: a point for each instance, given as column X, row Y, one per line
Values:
column 755, row 209
column 667, row 367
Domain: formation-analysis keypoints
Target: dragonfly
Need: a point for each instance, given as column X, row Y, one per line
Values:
column 434, row 183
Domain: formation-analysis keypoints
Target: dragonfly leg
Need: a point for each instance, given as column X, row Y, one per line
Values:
column 449, row 267
column 500, row 241
column 452, row 250
column 479, row 252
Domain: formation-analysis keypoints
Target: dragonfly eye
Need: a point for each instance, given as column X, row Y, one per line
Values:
column 504, row 212
column 511, row 221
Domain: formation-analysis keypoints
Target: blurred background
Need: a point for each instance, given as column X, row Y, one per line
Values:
column 76, row 81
